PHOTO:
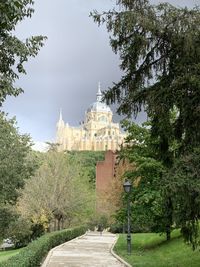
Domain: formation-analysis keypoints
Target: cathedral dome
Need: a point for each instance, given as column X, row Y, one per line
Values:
column 99, row 106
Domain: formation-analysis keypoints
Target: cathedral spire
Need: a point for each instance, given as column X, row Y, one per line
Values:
column 60, row 118
column 99, row 93
column 60, row 123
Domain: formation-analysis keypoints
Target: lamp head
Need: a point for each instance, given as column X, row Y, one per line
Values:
column 127, row 186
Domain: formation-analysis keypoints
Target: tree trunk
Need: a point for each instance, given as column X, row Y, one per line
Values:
column 169, row 217
column 168, row 233
column 59, row 220
column 62, row 223
column 55, row 225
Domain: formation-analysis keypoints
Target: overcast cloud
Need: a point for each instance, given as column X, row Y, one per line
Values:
column 66, row 72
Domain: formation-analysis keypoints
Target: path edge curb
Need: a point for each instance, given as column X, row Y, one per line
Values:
column 46, row 260
column 116, row 256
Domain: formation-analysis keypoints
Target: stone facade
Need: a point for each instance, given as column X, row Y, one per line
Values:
column 97, row 132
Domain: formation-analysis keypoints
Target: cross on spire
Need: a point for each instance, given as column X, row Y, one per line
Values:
column 99, row 93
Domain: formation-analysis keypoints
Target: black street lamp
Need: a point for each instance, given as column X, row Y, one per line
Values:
column 127, row 188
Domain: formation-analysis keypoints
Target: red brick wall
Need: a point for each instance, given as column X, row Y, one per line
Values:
column 104, row 175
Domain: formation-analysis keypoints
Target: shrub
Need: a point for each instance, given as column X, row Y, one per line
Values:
column 20, row 232
column 117, row 227
column 102, row 223
column 34, row 253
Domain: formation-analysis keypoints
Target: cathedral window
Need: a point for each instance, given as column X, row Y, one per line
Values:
column 103, row 119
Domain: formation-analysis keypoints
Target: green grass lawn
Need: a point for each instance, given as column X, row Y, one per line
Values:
column 151, row 250
column 4, row 255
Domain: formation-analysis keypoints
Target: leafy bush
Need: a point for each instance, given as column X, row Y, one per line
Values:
column 117, row 227
column 19, row 232
column 100, row 221
column 136, row 227
column 34, row 253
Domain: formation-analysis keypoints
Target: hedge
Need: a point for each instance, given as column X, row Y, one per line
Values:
column 35, row 252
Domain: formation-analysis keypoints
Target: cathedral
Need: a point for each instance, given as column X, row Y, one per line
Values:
column 97, row 132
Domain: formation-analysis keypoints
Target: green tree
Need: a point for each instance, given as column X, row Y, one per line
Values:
column 147, row 198
column 88, row 160
column 16, row 165
column 159, row 50
column 57, row 195
column 14, row 52
column 20, row 232
column 184, row 184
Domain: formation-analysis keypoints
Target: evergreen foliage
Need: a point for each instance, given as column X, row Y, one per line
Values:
column 159, row 48
column 159, row 51
column 184, row 184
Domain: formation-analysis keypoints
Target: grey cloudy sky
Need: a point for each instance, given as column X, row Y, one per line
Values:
column 65, row 73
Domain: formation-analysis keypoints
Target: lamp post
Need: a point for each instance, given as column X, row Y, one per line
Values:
column 127, row 188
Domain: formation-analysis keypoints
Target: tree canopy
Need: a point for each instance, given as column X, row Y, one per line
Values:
column 16, row 164
column 59, row 192
column 14, row 52
column 16, row 161
column 159, row 49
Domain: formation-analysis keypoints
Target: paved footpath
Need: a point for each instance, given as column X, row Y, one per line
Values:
column 91, row 249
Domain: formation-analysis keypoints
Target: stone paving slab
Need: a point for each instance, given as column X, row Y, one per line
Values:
column 91, row 250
